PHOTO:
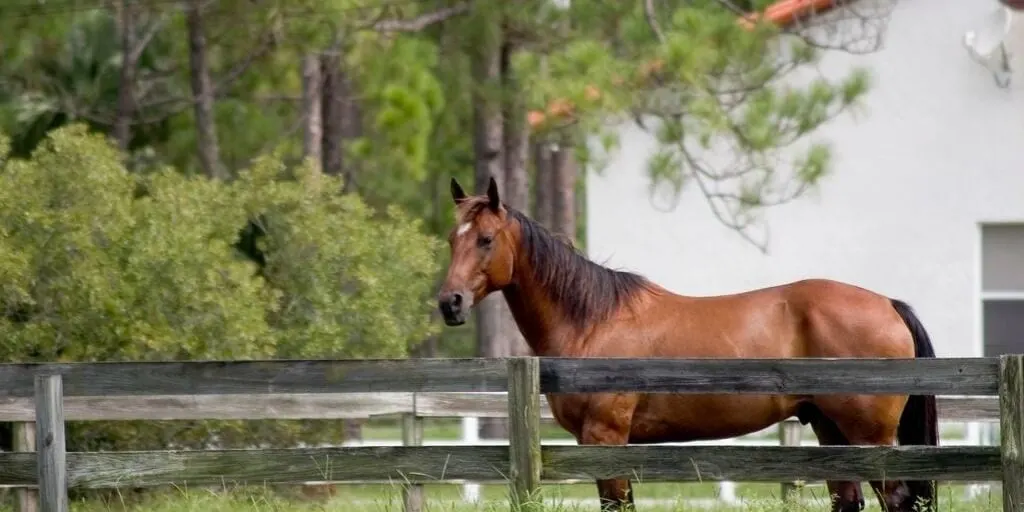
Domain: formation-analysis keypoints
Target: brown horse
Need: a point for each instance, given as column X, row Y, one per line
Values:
column 568, row 306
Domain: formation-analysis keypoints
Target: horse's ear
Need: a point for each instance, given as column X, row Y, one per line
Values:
column 493, row 200
column 458, row 195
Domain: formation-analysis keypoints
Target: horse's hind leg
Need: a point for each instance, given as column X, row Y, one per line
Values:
column 872, row 421
column 845, row 496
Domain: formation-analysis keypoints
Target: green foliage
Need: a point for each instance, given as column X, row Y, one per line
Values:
column 100, row 264
column 412, row 104
column 404, row 97
column 70, row 72
column 351, row 284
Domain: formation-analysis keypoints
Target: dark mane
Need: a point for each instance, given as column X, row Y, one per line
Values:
column 586, row 291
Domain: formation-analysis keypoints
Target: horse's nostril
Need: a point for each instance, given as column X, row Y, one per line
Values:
column 457, row 300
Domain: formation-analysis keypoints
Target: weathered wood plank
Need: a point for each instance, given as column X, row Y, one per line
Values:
column 975, row 376
column 18, row 469
column 25, row 441
column 481, row 405
column 495, row 405
column 963, row 408
column 524, row 433
column 51, row 468
column 384, row 464
column 949, row 376
column 219, row 407
column 490, row 463
column 99, row 470
column 260, row 377
column 1011, row 430
column 346, row 406
column 362, row 464
column 771, row 463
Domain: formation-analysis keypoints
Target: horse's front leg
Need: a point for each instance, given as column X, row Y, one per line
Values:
column 610, row 429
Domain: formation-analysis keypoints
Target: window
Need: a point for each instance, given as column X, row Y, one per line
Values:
column 1002, row 288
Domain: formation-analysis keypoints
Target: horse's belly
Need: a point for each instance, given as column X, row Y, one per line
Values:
column 662, row 418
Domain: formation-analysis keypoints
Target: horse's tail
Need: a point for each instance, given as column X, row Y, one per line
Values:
column 919, row 422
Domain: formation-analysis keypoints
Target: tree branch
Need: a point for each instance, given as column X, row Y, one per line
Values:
column 652, row 21
column 143, row 42
column 421, row 22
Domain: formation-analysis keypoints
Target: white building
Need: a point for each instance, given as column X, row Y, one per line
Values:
column 925, row 204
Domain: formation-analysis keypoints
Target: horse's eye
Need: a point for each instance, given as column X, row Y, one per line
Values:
column 484, row 241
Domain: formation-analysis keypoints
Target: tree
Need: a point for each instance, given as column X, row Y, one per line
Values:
column 730, row 100
column 312, row 108
column 563, row 178
column 488, row 149
column 69, row 69
column 515, row 153
column 202, row 92
column 129, row 65
column 543, row 186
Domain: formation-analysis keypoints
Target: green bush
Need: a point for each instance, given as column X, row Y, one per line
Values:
column 100, row 264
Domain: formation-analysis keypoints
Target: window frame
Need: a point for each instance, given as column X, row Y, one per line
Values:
column 994, row 295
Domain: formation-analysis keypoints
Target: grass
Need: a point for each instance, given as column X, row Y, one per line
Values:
column 348, row 498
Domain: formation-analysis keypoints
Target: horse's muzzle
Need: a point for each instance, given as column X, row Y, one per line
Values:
column 454, row 306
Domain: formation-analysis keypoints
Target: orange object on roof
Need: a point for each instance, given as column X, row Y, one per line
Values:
column 784, row 12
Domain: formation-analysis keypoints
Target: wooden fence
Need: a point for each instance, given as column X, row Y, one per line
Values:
column 293, row 389
column 413, row 408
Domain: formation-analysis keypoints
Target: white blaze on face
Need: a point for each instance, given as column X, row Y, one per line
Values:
column 463, row 229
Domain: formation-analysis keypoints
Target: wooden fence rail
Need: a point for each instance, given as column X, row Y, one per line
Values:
column 942, row 376
column 87, row 389
column 348, row 406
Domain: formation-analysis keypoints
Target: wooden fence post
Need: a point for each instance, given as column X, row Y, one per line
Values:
column 50, row 447
column 1011, row 429
column 790, row 434
column 25, row 441
column 412, row 435
column 524, row 432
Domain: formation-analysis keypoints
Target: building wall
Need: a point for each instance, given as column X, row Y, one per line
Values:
column 938, row 150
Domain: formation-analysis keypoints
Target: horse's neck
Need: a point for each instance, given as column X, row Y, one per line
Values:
column 538, row 318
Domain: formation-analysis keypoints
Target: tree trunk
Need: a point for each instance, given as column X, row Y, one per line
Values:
column 335, row 124
column 543, row 183
column 126, row 86
column 202, row 93
column 342, row 118
column 312, row 98
column 488, row 162
column 563, row 166
column 516, row 145
column 332, row 106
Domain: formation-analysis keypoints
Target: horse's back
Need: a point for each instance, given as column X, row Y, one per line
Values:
column 806, row 318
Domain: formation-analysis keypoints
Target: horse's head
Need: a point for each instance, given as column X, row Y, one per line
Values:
column 482, row 249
